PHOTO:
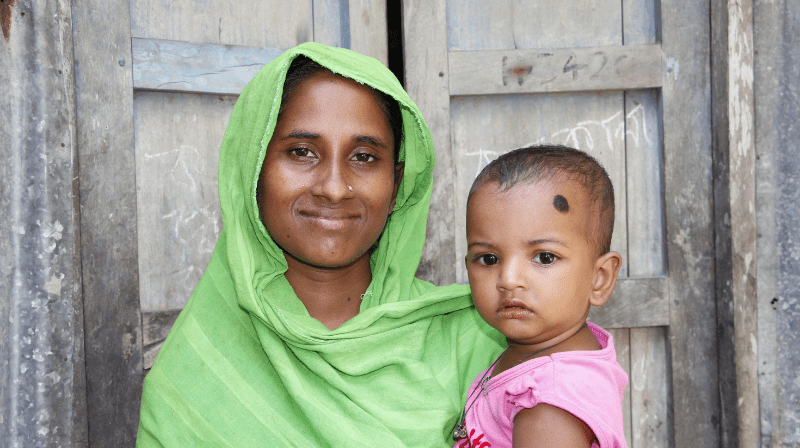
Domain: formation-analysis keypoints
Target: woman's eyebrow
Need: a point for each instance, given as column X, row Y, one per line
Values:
column 301, row 134
column 370, row 140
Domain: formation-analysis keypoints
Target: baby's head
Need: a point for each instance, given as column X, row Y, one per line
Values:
column 539, row 225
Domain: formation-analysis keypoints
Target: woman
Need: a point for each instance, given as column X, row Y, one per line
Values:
column 308, row 327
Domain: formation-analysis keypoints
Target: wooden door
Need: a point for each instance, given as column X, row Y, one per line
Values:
column 156, row 83
column 627, row 82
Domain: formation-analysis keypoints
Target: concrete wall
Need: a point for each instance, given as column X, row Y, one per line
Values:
column 42, row 380
column 777, row 87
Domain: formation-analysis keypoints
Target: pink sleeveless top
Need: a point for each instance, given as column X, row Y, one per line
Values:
column 587, row 384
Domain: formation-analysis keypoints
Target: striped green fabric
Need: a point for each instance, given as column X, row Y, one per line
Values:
column 245, row 365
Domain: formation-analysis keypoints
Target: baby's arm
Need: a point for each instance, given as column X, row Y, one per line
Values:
column 548, row 426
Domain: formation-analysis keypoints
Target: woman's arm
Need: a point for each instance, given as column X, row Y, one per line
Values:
column 548, row 426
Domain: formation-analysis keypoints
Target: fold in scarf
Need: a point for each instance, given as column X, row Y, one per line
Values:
column 245, row 364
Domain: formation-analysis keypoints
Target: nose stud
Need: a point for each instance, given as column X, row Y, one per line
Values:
column 350, row 188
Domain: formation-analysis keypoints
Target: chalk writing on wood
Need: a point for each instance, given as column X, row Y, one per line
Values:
column 584, row 135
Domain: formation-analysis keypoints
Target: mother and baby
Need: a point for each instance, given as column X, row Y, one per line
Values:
column 309, row 328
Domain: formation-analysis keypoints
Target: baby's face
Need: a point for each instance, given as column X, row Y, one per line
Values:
column 530, row 261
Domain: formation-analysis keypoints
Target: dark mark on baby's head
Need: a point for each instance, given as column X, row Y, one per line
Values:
column 560, row 203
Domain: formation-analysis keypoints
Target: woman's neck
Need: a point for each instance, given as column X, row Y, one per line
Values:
column 331, row 295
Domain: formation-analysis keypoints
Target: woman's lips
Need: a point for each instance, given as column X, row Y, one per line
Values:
column 329, row 220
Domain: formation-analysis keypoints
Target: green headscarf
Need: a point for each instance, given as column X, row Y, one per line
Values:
column 245, row 364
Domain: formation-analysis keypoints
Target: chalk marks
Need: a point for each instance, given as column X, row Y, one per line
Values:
column 589, row 135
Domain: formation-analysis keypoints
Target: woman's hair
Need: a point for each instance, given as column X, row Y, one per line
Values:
column 302, row 68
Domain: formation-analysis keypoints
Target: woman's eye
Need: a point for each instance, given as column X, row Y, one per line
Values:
column 364, row 157
column 545, row 258
column 300, row 152
column 488, row 259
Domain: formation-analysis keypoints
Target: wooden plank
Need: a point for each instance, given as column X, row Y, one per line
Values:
column 622, row 344
column 689, row 225
column 723, row 268
column 155, row 328
column 332, row 22
column 640, row 23
column 593, row 122
column 178, row 137
column 480, row 25
column 191, row 67
column 649, row 388
column 555, row 70
column 369, row 33
column 506, row 25
column 635, row 302
column 252, row 23
column 742, row 153
column 645, row 185
column 566, row 23
column 102, row 45
column 425, row 49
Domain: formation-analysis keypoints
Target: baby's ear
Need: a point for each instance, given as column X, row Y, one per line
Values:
column 606, row 269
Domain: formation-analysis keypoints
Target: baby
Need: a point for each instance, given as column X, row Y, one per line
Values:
column 539, row 224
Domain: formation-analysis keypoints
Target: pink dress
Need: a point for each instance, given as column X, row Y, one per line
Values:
column 587, row 384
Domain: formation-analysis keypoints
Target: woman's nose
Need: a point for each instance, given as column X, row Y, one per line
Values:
column 332, row 182
column 512, row 276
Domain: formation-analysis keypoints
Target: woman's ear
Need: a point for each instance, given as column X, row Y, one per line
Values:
column 398, row 178
column 606, row 269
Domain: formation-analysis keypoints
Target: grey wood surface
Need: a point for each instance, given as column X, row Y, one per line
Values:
column 255, row 23
column 635, row 302
column 622, row 345
column 742, row 153
column 179, row 217
column 555, row 69
column 425, row 53
column 102, row 46
column 155, row 329
column 649, row 390
column 191, row 67
column 688, row 217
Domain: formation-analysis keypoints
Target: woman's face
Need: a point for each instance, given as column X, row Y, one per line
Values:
column 329, row 181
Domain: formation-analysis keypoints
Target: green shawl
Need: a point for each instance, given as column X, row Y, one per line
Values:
column 245, row 364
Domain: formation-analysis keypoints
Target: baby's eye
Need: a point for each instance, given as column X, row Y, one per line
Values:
column 364, row 157
column 545, row 258
column 488, row 259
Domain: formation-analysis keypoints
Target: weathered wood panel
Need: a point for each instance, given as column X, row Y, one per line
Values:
column 742, row 153
column 155, row 329
column 622, row 344
column 506, row 24
column 190, row 67
column 645, row 185
column 369, row 34
column 687, row 182
column 256, row 23
column 332, row 22
column 635, row 302
column 179, row 218
column 425, row 38
column 102, row 45
column 555, row 70
column 649, row 388
column 484, row 127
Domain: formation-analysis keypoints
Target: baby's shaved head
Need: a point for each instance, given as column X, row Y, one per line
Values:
column 556, row 163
